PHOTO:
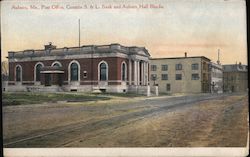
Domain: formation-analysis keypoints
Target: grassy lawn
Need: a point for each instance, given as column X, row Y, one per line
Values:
column 22, row 98
column 125, row 95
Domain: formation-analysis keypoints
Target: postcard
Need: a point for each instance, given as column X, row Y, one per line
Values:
column 124, row 78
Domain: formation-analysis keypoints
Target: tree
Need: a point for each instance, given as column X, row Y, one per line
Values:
column 4, row 70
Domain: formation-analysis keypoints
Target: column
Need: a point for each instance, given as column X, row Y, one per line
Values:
column 138, row 73
column 142, row 73
column 129, row 72
column 146, row 70
column 135, row 72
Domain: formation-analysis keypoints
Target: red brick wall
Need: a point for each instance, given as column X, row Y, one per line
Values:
column 114, row 64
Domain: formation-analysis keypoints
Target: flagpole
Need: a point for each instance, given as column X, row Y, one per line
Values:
column 79, row 34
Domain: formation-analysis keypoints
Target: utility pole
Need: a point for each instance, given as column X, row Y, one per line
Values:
column 218, row 61
column 79, row 33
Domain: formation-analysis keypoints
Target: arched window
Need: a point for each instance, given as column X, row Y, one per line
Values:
column 124, row 72
column 74, row 72
column 38, row 69
column 103, row 72
column 18, row 73
column 56, row 64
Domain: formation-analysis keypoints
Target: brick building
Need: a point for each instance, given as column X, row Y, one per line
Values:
column 181, row 74
column 110, row 68
column 235, row 78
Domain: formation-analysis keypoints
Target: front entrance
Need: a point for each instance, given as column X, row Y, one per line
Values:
column 47, row 79
column 60, row 81
column 52, row 76
column 232, row 88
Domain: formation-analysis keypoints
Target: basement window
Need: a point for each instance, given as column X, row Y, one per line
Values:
column 85, row 74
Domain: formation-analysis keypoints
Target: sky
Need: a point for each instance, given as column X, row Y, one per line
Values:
column 166, row 28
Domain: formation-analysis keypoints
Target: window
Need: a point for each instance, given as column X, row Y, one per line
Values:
column 38, row 69
column 56, row 64
column 74, row 72
column 195, row 66
column 103, row 72
column 164, row 77
column 153, row 77
column 124, row 71
column 18, row 73
column 85, row 74
column 195, row 77
column 178, row 66
column 164, row 67
column 168, row 87
column 153, row 67
column 178, row 77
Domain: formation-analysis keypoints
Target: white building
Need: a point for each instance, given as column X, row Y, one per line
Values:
column 216, row 78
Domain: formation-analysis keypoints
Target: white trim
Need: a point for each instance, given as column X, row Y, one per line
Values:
column 69, row 71
column 21, row 73
column 126, row 78
column 107, row 70
column 35, row 70
column 28, row 81
column 115, row 54
column 50, row 72
column 57, row 63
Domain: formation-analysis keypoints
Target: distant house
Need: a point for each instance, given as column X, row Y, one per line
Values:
column 181, row 74
column 110, row 68
column 235, row 78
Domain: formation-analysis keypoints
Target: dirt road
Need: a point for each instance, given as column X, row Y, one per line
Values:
column 197, row 120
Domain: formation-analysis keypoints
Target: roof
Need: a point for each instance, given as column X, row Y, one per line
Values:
column 85, row 49
column 182, row 58
column 235, row 68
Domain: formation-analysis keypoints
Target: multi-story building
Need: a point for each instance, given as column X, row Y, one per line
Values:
column 235, row 78
column 216, row 78
column 181, row 74
column 111, row 68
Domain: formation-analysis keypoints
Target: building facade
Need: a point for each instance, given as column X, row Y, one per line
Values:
column 235, row 78
column 216, row 78
column 181, row 75
column 110, row 68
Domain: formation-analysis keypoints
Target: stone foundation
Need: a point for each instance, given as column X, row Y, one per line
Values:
column 79, row 88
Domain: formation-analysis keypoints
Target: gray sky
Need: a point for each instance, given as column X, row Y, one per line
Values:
column 198, row 27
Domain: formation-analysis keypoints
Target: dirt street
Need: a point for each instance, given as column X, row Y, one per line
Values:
column 170, row 121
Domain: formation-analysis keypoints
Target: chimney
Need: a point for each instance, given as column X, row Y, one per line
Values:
column 49, row 46
column 185, row 54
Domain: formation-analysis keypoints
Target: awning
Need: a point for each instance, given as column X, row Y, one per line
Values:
column 51, row 69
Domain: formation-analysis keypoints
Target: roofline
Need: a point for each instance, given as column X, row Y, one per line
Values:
column 79, row 47
column 235, row 64
column 180, row 58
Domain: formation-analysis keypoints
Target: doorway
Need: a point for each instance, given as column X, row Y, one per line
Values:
column 47, row 80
